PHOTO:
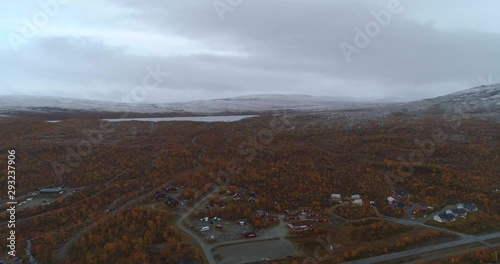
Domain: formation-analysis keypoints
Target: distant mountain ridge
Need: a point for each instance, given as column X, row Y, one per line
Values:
column 482, row 98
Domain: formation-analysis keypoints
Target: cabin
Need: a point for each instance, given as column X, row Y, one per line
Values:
column 170, row 188
column 262, row 213
column 399, row 193
column 300, row 226
column 358, row 202
column 335, row 197
column 312, row 215
column 292, row 218
column 444, row 218
column 355, row 196
column 457, row 212
column 469, row 207
column 50, row 191
column 170, row 201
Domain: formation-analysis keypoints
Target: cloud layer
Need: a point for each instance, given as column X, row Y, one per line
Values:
column 272, row 46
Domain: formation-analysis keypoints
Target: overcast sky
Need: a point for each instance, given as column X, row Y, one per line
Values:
column 222, row 48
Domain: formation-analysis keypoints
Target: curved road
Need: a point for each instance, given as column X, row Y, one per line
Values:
column 422, row 250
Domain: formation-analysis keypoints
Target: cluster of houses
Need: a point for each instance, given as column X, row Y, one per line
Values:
column 169, row 200
column 461, row 210
column 395, row 199
column 239, row 194
column 296, row 225
column 354, row 199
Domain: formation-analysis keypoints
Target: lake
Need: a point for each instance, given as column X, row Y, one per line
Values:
column 181, row 118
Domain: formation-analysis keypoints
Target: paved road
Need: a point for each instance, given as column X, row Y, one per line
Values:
column 207, row 249
column 422, row 250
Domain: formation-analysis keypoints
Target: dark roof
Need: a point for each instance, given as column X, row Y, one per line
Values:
column 448, row 217
column 459, row 211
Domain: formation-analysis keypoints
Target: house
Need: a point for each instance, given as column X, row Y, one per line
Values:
column 357, row 202
column 355, row 196
column 372, row 203
column 391, row 200
column 272, row 219
column 252, row 200
column 335, row 197
column 444, row 218
column 399, row 193
column 248, row 234
column 236, row 197
column 241, row 222
column 291, row 218
column 399, row 205
column 50, row 191
column 469, row 207
column 170, row 201
column 457, row 212
column 312, row 215
column 262, row 213
column 170, row 188
column 305, row 209
column 300, row 226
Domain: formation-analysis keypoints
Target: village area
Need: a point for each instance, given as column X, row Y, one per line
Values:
column 265, row 235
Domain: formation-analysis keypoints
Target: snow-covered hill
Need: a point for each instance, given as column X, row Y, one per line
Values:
column 478, row 99
column 253, row 103
column 481, row 99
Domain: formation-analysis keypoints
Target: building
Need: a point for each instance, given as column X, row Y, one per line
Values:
column 457, row 212
column 399, row 193
column 170, row 201
column 444, row 218
column 391, row 200
column 292, row 218
column 357, row 202
column 335, row 197
column 312, row 215
column 300, row 226
column 355, row 196
column 170, row 188
column 262, row 213
column 469, row 207
column 50, row 191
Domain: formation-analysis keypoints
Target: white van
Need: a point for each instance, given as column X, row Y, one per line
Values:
column 204, row 229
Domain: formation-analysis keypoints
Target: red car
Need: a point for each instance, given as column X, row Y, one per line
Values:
column 248, row 234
